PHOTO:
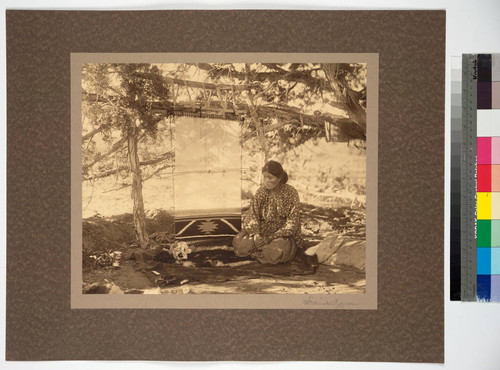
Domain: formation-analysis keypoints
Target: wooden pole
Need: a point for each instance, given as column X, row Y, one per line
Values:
column 209, row 85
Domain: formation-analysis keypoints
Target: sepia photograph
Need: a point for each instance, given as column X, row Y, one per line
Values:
column 226, row 185
column 224, row 178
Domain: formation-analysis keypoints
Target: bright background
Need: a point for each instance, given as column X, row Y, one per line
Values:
column 472, row 329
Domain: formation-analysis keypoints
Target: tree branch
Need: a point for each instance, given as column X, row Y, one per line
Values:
column 151, row 162
column 94, row 132
column 116, row 146
column 304, row 77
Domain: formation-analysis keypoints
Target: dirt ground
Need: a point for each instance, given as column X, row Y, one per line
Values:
column 326, row 280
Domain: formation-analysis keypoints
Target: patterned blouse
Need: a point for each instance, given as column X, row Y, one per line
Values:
column 275, row 214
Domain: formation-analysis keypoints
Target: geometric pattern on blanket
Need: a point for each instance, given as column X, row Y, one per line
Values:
column 207, row 227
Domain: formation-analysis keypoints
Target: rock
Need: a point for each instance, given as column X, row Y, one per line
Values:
column 95, row 288
column 351, row 253
column 115, row 289
column 326, row 247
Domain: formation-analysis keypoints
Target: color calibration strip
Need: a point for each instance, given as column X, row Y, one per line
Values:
column 475, row 178
column 488, row 177
column 456, row 147
column 468, row 169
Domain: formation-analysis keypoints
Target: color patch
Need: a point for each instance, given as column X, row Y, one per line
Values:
column 495, row 233
column 484, row 261
column 484, row 287
column 495, row 67
column 484, row 123
column 484, row 150
column 495, row 177
column 484, row 178
column 495, row 150
column 495, row 261
column 484, row 70
column 495, row 122
column 495, row 95
column 494, row 288
column 495, row 205
column 484, row 233
column 484, row 95
column 484, row 206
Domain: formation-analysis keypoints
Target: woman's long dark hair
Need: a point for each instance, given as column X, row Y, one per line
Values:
column 275, row 169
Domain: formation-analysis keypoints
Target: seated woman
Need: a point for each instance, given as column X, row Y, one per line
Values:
column 271, row 227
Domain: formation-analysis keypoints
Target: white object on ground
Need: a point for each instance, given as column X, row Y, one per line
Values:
column 180, row 251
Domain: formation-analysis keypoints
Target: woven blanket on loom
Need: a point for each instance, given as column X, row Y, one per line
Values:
column 207, row 178
column 190, row 227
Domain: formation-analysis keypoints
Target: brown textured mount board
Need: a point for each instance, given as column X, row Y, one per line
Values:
column 408, row 324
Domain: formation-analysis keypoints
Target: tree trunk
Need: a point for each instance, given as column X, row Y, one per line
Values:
column 139, row 214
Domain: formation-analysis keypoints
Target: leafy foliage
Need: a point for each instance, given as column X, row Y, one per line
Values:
column 294, row 100
column 142, row 85
column 119, row 100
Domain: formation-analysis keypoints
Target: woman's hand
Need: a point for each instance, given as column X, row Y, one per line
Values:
column 261, row 240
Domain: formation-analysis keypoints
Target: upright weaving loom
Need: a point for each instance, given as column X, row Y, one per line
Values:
column 207, row 178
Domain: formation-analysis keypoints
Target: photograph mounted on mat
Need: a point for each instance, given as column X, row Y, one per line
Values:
column 224, row 180
column 74, row 217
